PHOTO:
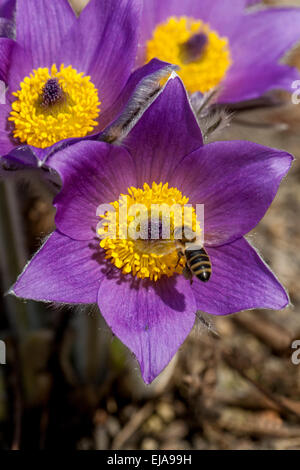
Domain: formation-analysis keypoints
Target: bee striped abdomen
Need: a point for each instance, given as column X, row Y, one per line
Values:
column 199, row 264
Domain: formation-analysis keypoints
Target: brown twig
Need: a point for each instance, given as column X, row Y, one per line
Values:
column 284, row 406
column 132, row 426
column 274, row 336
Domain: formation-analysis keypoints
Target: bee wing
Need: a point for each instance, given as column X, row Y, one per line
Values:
column 159, row 247
column 187, row 274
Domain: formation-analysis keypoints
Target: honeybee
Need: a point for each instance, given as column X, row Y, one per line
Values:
column 197, row 262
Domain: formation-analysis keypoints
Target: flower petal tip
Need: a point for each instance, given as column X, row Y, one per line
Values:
column 287, row 301
column 173, row 75
column 10, row 291
column 148, row 375
column 14, row 291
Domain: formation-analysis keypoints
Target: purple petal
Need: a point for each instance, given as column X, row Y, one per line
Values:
column 265, row 36
column 16, row 158
column 152, row 320
column 251, row 82
column 63, row 270
column 5, row 144
column 236, row 181
column 7, row 8
column 6, row 47
column 103, row 44
column 2, row 92
column 166, row 132
column 93, row 173
column 240, row 280
column 260, row 41
column 137, row 94
column 20, row 66
column 41, row 26
column 7, row 28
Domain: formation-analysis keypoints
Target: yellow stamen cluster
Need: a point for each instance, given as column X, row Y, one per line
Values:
column 204, row 73
column 145, row 258
column 73, row 116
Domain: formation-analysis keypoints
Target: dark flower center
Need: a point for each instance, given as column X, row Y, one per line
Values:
column 155, row 229
column 193, row 48
column 52, row 93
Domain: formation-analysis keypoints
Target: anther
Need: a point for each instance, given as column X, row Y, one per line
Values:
column 52, row 93
column 193, row 48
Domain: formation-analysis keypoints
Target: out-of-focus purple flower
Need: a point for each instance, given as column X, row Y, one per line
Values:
column 243, row 47
column 143, row 297
column 66, row 77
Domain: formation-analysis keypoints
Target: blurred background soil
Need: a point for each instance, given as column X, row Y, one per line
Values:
column 69, row 384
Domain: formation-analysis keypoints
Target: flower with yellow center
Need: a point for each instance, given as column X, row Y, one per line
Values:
column 154, row 318
column 152, row 254
column 52, row 105
column 66, row 76
column 202, row 55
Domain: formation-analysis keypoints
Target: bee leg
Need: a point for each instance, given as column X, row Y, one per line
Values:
column 188, row 274
column 180, row 255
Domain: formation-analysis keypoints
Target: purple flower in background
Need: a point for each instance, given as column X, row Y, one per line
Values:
column 143, row 296
column 67, row 77
column 218, row 43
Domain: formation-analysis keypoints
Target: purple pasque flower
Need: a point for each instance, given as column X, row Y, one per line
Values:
column 67, row 77
column 143, row 297
column 242, row 50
